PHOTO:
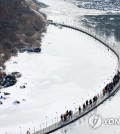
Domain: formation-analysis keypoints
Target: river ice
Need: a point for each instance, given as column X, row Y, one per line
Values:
column 71, row 67
column 68, row 69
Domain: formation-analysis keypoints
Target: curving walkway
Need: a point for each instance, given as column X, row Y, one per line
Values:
column 101, row 98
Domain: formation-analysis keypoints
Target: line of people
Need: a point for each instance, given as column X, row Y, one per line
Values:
column 89, row 103
column 109, row 87
column 67, row 115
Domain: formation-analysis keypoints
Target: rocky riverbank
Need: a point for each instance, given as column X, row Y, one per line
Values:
column 21, row 29
column 7, row 80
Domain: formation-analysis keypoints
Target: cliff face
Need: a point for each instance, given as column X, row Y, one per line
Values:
column 20, row 27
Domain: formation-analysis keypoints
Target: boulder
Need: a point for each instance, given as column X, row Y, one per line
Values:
column 5, row 93
column 17, row 102
column 22, row 87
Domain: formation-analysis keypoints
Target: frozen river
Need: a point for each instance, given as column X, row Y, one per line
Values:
column 71, row 67
column 74, row 15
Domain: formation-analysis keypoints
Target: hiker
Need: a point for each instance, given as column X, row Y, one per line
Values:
column 61, row 117
column 70, row 114
column 79, row 109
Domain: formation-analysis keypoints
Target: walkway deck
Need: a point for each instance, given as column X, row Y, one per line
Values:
column 101, row 98
column 76, row 115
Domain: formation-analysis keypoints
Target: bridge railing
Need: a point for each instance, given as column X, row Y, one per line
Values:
column 101, row 98
column 76, row 115
column 114, row 47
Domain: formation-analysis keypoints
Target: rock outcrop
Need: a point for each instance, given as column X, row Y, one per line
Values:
column 21, row 27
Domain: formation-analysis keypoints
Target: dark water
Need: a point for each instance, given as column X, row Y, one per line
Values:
column 107, row 26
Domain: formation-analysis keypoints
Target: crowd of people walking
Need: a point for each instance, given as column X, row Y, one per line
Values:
column 92, row 102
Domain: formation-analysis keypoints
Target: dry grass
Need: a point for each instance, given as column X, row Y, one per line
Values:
column 19, row 27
